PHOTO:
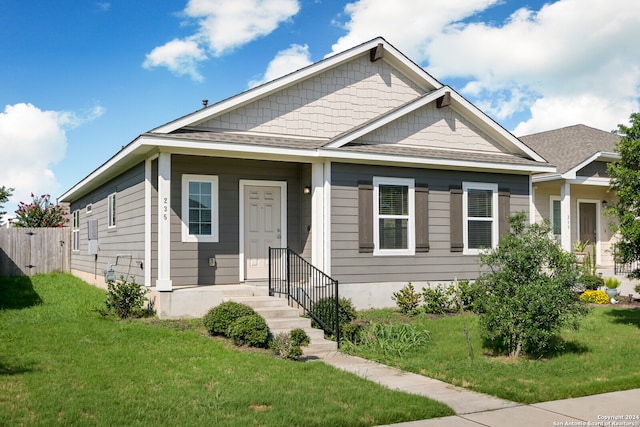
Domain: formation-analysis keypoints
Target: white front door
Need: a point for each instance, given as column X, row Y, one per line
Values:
column 262, row 228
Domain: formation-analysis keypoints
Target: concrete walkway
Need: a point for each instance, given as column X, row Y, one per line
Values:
column 476, row 409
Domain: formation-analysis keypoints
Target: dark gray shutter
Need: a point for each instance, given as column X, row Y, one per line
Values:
column 456, row 217
column 504, row 211
column 422, row 218
column 365, row 217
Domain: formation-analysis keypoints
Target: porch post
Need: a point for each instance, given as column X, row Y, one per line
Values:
column 317, row 215
column 164, row 283
column 565, row 216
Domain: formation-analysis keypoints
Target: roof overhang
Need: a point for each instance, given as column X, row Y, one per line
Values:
column 572, row 174
column 148, row 146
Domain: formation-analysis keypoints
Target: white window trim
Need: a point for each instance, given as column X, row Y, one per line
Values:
column 466, row 186
column 112, row 219
column 89, row 209
column 411, row 240
column 551, row 217
column 215, row 208
column 75, row 233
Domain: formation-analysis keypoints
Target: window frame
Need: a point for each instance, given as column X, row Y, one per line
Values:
column 410, row 217
column 75, row 232
column 215, row 208
column 112, row 211
column 466, row 187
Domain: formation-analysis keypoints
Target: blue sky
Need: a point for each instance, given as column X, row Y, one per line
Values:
column 81, row 78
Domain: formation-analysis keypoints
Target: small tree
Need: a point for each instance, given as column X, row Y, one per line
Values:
column 40, row 213
column 5, row 193
column 625, row 182
column 527, row 296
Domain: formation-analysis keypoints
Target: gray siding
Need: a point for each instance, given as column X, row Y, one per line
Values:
column 439, row 264
column 128, row 235
column 189, row 261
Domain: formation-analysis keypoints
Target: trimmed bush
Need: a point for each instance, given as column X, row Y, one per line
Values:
column 299, row 337
column 437, row 300
column 590, row 281
column 251, row 330
column 219, row 318
column 326, row 310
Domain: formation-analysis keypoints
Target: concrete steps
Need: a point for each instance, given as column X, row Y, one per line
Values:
column 282, row 319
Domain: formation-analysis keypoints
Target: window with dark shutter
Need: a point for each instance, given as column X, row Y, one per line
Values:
column 504, row 211
column 422, row 218
column 455, row 219
column 365, row 217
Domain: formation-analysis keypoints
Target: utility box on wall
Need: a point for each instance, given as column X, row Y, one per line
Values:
column 92, row 232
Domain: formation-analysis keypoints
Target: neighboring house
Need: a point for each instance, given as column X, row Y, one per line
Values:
column 573, row 198
column 363, row 163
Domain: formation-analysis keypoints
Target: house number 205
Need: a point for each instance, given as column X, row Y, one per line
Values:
column 165, row 208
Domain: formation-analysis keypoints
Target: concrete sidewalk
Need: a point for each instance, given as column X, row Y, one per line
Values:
column 476, row 409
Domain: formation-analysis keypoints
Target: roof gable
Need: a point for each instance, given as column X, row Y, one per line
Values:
column 391, row 56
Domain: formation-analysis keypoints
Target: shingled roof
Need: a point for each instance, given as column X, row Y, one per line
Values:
column 570, row 146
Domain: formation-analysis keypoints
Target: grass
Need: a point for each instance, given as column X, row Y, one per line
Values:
column 602, row 356
column 62, row 363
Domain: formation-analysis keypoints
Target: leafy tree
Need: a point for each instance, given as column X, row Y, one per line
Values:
column 527, row 295
column 625, row 182
column 40, row 213
column 5, row 193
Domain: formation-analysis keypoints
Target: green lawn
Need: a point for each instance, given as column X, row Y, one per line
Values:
column 61, row 363
column 602, row 356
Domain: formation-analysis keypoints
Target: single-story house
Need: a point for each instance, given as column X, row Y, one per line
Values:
column 362, row 163
column 574, row 197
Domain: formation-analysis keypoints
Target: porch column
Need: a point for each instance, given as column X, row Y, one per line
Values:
column 565, row 216
column 164, row 283
column 317, row 215
column 147, row 221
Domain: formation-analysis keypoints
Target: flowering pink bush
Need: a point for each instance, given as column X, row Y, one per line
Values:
column 40, row 213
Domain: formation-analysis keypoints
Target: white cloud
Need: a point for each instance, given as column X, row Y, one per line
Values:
column 31, row 140
column 223, row 25
column 408, row 24
column 285, row 62
column 181, row 57
column 549, row 63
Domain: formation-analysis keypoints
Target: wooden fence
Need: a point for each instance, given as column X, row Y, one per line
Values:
column 29, row 251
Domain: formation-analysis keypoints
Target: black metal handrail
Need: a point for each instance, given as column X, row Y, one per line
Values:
column 307, row 286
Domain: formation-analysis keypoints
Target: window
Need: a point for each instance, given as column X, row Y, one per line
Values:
column 555, row 217
column 75, row 232
column 89, row 208
column 480, row 208
column 394, row 219
column 111, row 211
column 199, row 208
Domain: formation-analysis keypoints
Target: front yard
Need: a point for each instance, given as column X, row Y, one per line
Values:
column 600, row 357
column 62, row 363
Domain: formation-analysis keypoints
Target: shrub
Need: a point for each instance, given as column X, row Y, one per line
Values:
column 299, row 337
column 529, row 294
column 251, row 330
column 325, row 309
column 595, row 297
column 352, row 332
column 126, row 299
column 469, row 294
column 289, row 345
column 219, row 318
column 437, row 300
column 40, row 213
column 407, row 299
column 591, row 282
